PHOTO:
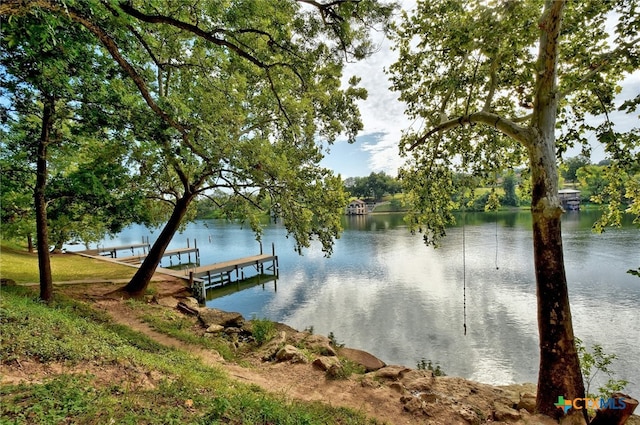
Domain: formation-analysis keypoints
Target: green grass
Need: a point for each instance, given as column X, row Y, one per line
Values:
column 182, row 327
column 18, row 264
column 184, row 391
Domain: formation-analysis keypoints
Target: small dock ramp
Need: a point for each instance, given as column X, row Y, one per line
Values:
column 226, row 272
column 170, row 253
column 112, row 251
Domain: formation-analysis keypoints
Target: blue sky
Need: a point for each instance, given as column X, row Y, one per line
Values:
column 376, row 148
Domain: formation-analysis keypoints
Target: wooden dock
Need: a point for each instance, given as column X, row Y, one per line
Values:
column 220, row 274
column 112, row 251
column 179, row 252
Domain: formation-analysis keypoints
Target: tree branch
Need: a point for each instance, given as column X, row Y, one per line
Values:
column 194, row 29
column 605, row 60
column 505, row 126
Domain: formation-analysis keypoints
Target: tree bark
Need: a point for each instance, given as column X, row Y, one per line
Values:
column 559, row 373
column 30, row 243
column 42, row 229
column 140, row 281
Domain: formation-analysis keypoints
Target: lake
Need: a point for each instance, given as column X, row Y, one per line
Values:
column 385, row 292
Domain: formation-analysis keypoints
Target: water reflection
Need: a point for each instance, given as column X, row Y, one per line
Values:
column 385, row 292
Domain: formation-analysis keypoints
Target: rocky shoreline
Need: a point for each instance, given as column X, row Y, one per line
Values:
column 432, row 399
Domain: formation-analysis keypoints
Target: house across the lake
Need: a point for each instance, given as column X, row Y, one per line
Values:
column 570, row 199
column 357, row 207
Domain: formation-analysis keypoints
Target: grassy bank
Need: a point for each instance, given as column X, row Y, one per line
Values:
column 102, row 372
column 18, row 264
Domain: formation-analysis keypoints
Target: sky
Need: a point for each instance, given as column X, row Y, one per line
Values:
column 376, row 148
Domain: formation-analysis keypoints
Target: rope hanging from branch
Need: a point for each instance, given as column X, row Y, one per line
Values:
column 464, row 273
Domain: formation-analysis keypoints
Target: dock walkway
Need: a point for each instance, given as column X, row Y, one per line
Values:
column 179, row 252
column 113, row 250
column 220, row 274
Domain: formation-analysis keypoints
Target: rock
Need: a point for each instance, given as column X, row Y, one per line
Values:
column 290, row 353
column 317, row 343
column 214, row 329
column 273, row 346
column 167, row 302
column 336, row 371
column 470, row 415
column 414, row 405
column 418, row 380
column 527, row 402
column 7, row 282
column 191, row 302
column 391, row 373
column 504, row 413
column 364, row 359
column 326, row 350
column 325, row 363
column 397, row 386
column 212, row 316
column 369, row 382
column 187, row 310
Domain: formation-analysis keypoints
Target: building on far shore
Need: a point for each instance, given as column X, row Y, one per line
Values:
column 570, row 199
column 357, row 207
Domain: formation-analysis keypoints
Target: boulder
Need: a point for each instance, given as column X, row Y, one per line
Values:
column 317, row 343
column 364, row 359
column 527, row 402
column 214, row 329
column 470, row 415
column 191, row 302
column 418, row 380
column 213, row 316
column 504, row 413
column 336, row 371
column 391, row 373
column 325, row 363
column 291, row 354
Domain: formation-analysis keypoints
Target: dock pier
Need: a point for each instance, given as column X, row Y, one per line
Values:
column 220, row 274
column 112, row 251
column 178, row 252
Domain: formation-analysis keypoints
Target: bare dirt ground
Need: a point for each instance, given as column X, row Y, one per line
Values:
column 394, row 395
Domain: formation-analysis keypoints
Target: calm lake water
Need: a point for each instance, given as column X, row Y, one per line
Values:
column 385, row 292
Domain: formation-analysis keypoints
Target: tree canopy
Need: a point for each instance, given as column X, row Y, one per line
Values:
column 492, row 83
column 240, row 95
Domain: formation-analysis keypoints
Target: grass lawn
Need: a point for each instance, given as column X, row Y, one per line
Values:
column 18, row 264
column 123, row 377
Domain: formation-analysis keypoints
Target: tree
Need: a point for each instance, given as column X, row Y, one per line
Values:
column 50, row 72
column 239, row 101
column 470, row 71
column 572, row 165
column 375, row 185
column 509, row 183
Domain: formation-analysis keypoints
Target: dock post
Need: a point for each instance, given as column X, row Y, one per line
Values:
column 191, row 280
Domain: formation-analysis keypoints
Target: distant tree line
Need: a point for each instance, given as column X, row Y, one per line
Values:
column 372, row 187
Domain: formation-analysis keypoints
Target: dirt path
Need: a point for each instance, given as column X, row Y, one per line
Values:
column 407, row 397
column 295, row 381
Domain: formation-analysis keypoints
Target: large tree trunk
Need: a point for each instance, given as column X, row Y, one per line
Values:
column 42, row 230
column 559, row 373
column 141, row 279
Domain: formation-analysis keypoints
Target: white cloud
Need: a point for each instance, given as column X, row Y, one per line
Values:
column 384, row 120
